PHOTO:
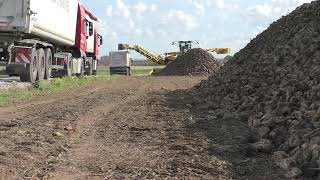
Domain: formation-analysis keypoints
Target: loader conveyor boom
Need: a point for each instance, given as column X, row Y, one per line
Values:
column 155, row 58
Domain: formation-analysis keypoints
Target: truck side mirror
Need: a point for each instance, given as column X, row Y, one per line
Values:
column 90, row 28
column 100, row 40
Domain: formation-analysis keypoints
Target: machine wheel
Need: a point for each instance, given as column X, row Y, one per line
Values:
column 30, row 75
column 41, row 64
column 49, row 58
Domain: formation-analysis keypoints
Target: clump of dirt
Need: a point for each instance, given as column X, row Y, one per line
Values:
column 192, row 63
column 274, row 85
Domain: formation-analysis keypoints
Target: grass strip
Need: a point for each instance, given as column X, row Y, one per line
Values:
column 43, row 88
column 54, row 86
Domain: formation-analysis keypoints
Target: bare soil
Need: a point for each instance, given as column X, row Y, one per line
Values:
column 129, row 128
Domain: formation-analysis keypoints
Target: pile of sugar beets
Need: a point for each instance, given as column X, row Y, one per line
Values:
column 274, row 85
column 195, row 62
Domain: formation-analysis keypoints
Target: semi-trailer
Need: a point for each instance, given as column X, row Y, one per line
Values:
column 40, row 39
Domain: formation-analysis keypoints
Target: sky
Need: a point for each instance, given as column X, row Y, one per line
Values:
column 155, row 24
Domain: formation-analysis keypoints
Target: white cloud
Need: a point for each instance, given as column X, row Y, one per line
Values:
column 264, row 9
column 122, row 9
column 140, row 8
column 141, row 21
column 199, row 6
column 138, row 32
column 180, row 20
column 109, row 10
column 113, row 35
column 153, row 7
column 162, row 33
column 220, row 4
column 149, row 33
column 273, row 9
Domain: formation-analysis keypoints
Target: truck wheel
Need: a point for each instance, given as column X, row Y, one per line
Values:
column 90, row 70
column 82, row 71
column 31, row 72
column 23, row 78
column 49, row 58
column 94, row 67
column 69, row 68
column 82, row 68
column 41, row 64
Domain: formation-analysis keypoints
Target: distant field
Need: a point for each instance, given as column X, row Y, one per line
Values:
column 144, row 70
column 136, row 70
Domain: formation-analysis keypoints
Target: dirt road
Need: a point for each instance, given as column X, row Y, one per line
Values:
column 136, row 128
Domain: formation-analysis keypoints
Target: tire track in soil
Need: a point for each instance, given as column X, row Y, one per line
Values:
column 29, row 147
column 90, row 146
column 37, row 136
column 85, row 143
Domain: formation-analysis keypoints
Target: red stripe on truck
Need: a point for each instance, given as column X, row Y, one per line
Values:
column 28, row 57
column 18, row 57
column 23, row 55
